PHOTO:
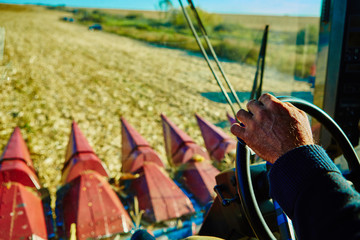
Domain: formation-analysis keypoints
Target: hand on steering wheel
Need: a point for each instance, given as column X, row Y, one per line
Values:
column 268, row 130
column 272, row 127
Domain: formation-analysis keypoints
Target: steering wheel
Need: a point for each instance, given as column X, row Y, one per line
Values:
column 245, row 188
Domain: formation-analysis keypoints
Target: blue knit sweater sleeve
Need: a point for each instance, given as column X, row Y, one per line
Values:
column 313, row 193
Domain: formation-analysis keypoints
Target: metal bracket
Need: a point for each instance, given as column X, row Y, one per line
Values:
column 224, row 201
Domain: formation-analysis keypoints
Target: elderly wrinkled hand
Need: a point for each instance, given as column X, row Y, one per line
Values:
column 272, row 128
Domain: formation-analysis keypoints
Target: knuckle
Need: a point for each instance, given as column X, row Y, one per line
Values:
column 304, row 115
column 280, row 106
column 251, row 125
column 265, row 97
column 286, row 110
column 273, row 105
column 302, row 112
column 262, row 113
column 241, row 113
column 251, row 102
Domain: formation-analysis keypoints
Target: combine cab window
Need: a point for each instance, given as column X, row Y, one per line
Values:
column 290, row 62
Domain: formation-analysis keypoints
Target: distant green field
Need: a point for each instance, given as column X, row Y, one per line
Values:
column 278, row 23
column 292, row 43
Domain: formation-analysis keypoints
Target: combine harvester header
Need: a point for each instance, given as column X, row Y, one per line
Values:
column 180, row 147
column 216, row 141
column 25, row 208
column 135, row 150
column 159, row 197
column 80, row 157
column 86, row 198
column 87, row 207
column 194, row 167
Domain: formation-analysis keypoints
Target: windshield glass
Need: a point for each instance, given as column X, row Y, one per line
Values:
column 93, row 64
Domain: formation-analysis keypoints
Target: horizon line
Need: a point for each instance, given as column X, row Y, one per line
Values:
column 155, row 10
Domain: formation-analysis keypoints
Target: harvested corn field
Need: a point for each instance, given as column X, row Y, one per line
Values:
column 54, row 72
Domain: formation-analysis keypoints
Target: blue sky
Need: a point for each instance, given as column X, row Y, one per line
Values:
column 266, row 7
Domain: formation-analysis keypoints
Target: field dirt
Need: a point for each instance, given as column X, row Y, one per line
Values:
column 54, row 72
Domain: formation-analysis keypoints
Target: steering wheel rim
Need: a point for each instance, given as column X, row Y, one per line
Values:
column 244, row 184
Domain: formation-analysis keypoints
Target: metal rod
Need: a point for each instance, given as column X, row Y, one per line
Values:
column 207, row 58
column 203, row 30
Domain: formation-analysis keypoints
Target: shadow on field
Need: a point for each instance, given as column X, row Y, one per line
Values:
column 244, row 96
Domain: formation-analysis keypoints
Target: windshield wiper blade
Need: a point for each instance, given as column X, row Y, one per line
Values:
column 260, row 66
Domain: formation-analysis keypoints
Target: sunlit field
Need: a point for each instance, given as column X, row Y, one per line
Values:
column 292, row 42
column 54, row 72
